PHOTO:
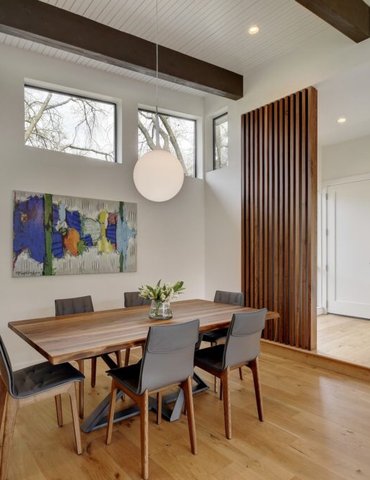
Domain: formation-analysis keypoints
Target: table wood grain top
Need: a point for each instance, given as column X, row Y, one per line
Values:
column 74, row 337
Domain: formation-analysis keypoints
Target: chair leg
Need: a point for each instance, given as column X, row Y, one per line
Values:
column 188, row 392
column 159, row 408
column 111, row 413
column 276, row 329
column 3, row 395
column 227, row 402
column 76, row 425
column 93, row 372
column 9, row 424
column 240, row 373
column 119, row 358
column 213, row 344
column 257, row 387
column 58, row 406
column 144, row 435
column 81, row 389
column 143, row 402
column 127, row 356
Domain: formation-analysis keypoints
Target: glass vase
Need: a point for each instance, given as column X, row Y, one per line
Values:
column 160, row 310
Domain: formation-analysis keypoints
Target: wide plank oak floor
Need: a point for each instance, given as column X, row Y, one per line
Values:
column 316, row 427
column 346, row 338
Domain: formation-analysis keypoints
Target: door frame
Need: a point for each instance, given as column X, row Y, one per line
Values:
column 324, row 232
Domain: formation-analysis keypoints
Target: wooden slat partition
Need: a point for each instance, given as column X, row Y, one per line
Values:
column 279, row 214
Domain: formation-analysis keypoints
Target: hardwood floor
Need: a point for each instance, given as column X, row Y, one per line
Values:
column 345, row 338
column 316, row 427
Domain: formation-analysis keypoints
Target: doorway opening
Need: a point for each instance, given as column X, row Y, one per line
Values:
column 343, row 323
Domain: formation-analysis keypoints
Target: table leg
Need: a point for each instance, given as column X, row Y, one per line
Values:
column 99, row 417
column 109, row 361
column 178, row 397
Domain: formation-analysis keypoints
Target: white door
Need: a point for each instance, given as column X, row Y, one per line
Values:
column 348, row 216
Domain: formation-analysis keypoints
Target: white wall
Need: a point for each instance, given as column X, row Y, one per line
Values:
column 346, row 159
column 222, row 203
column 170, row 235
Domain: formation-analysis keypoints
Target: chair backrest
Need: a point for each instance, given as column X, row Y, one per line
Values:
column 70, row 306
column 243, row 337
column 6, row 368
column 132, row 299
column 169, row 355
column 232, row 298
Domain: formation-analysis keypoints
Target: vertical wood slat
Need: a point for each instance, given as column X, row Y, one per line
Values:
column 304, row 297
column 250, row 227
column 291, row 224
column 254, row 205
column 285, row 238
column 260, row 217
column 297, row 218
column 279, row 214
column 280, row 200
column 244, row 189
column 312, row 213
column 272, row 290
column 265, row 179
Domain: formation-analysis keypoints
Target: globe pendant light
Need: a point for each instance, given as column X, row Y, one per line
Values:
column 158, row 175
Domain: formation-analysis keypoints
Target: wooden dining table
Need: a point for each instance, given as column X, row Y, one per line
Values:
column 80, row 336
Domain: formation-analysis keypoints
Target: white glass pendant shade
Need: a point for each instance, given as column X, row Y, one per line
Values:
column 158, row 175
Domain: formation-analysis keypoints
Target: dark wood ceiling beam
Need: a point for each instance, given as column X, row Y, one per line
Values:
column 52, row 26
column 351, row 17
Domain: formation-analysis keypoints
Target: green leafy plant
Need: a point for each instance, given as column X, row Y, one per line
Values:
column 161, row 292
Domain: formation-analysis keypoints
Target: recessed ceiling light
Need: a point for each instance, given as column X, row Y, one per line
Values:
column 341, row 120
column 253, row 29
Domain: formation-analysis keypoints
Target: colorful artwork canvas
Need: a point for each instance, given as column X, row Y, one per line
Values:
column 58, row 235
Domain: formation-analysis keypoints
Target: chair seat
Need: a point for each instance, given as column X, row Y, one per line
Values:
column 210, row 358
column 43, row 376
column 128, row 376
column 214, row 335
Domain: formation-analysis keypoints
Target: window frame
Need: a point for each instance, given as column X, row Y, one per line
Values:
column 84, row 97
column 214, row 120
column 181, row 117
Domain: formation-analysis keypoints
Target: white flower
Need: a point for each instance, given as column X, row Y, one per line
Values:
column 161, row 293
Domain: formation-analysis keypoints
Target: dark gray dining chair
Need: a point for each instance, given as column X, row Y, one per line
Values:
column 231, row 298
column 70, row 306
column 133, row 299
column 214, row 336
column 74, row 306
column 168, row 360
column 29, row 385
column 242, row 347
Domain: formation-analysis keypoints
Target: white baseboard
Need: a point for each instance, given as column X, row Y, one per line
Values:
column 321, row 311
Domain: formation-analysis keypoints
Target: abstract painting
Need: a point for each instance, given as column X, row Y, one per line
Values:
column 59, row 235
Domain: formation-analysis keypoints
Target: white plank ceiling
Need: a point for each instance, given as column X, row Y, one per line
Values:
column 211, row 30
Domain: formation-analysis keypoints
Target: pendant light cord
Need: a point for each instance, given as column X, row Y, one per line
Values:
column 156, row 75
